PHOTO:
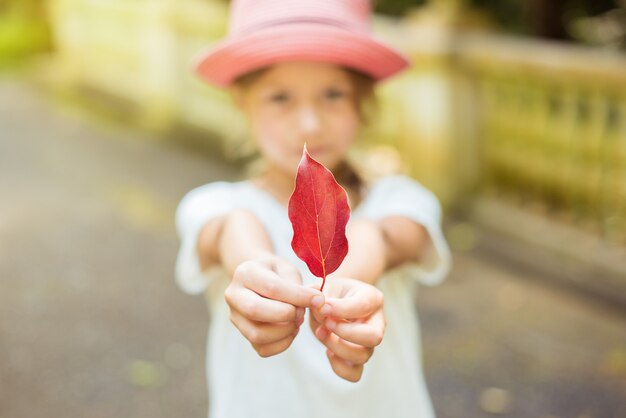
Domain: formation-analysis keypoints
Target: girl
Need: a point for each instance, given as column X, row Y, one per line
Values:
column 300, row 71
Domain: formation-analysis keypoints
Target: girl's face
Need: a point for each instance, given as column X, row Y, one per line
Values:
column 297, row 102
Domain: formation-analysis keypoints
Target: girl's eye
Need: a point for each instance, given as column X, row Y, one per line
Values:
column 279, row 98
column 334, row 94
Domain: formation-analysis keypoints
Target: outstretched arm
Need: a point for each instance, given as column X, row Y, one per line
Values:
column 232, row 239
column 376, row 246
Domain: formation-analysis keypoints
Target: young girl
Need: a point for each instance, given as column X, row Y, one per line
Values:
column 300, row 71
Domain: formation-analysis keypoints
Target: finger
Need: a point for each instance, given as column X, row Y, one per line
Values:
column 261, row 333
column 318, row 304
column 315, row 286
column 319, row 314
column 368, row 334
column 289, row 272
column 313, row 323
column 268, row 350
column 355, row 354
column 359, row 305
column 343, row 368
column 300, row 312
column 321, row 333
column 258, row 308
column 270, row 285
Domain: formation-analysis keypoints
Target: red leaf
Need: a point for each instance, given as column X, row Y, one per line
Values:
column 319, row 212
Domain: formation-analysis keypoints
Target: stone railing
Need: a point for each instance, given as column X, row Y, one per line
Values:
column 552, row 128
column 141, row 52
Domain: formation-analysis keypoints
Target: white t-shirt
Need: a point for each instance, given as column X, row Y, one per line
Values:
column 300, row 382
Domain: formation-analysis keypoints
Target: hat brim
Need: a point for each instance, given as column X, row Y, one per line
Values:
column 232, row 57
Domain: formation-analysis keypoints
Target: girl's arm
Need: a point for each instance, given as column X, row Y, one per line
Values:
column 265, row 296
column 232, row 239
column 376, row 246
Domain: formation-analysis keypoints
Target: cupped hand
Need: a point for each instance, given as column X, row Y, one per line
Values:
column 350, row 324
column 267, row 302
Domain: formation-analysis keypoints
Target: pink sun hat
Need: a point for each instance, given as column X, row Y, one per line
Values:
column 266, row 32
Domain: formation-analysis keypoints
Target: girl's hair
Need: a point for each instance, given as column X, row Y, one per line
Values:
column 364, row 101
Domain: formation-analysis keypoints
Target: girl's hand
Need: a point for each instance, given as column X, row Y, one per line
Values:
column 267, row 301
column 350, row 324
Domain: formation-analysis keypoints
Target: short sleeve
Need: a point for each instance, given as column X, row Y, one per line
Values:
column 195, row 209
column 403, row 196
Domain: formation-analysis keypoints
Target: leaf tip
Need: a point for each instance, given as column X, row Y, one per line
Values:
column 305, row 156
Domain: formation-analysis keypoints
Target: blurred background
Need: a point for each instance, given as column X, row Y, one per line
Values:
column 514, row 113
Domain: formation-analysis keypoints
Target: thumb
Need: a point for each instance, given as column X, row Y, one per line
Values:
column 316, row 314
column 291, row 273
column 314, row 286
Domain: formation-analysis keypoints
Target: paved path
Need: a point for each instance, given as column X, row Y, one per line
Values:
column 92, row 325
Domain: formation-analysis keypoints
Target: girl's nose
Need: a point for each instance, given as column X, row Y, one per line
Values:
column 309, row 120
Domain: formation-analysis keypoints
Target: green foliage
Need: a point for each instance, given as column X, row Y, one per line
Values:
column 23, row 30
column 396, row 7
column 509, row 14
column 541, row 18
